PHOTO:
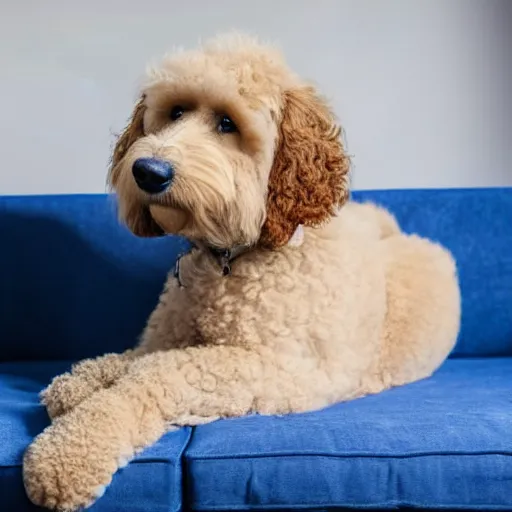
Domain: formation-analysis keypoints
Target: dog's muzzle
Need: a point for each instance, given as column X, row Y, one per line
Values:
column 152, row 174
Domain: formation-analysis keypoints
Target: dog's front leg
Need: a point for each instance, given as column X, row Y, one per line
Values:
column 66, row 391
column 71, row 462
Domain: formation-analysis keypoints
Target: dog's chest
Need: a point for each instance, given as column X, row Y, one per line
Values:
column 219, row 309
column 264, row 300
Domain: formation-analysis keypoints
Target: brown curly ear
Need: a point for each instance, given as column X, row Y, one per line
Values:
column 133, row 131
column 309, row 177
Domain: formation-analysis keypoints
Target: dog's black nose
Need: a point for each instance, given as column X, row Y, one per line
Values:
column 152, row 175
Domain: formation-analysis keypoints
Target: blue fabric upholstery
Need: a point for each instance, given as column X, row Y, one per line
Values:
column 445, row 442
column 152, row 482
column 74, row 284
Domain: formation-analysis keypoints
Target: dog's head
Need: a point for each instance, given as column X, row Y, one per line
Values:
column 228, row 147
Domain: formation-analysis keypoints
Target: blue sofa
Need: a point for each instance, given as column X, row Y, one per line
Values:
column 74, row 284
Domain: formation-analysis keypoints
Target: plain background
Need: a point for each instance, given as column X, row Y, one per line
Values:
column 423, row 88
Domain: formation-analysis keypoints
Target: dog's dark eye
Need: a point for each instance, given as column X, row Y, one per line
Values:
column 226, row 125
column 176, row 112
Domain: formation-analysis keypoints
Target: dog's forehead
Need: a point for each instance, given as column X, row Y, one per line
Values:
column 255, row 72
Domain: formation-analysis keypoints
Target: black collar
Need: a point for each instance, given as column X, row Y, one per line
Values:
column 223, row 257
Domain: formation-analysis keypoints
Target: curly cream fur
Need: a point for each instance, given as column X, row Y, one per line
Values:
column 357, row 308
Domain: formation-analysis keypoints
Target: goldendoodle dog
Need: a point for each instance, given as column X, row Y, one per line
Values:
column 293, row 296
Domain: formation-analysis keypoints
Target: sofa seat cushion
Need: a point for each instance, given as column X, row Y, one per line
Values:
column 444, row 442
column 152, row 482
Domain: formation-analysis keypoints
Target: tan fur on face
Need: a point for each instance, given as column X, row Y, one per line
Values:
column 354, row 307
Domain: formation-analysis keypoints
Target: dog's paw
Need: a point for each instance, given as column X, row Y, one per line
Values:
column 56, row 396
column 66, row 392
column 60, row 474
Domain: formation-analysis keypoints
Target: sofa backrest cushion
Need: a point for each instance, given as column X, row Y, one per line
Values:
column 74, row 283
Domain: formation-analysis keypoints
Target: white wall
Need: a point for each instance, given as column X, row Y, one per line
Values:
column 423, row 88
